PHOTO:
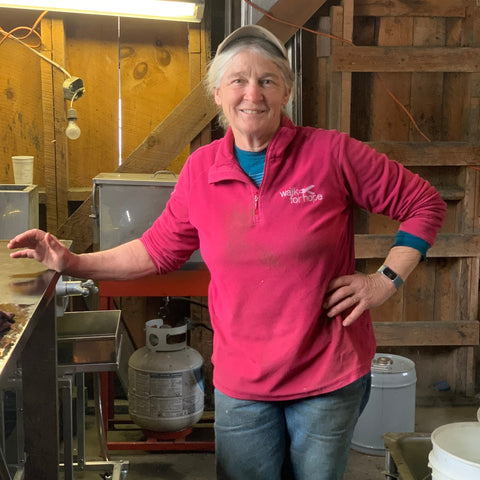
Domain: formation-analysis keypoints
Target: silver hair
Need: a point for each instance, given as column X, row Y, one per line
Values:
column 220, row 63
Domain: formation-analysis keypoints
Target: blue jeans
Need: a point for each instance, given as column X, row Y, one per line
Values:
column 305, row 439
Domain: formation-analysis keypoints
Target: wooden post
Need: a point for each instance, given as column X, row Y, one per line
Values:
column 54, row 123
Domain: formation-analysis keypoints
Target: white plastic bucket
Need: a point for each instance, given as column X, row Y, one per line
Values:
column 456, row 453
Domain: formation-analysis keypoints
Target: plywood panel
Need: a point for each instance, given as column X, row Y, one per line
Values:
column 92, row 54
column 21, row 130
column 153, row 61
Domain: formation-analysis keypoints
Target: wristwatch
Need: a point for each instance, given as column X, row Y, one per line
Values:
column 391, row 275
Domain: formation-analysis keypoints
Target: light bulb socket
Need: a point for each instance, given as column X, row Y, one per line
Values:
column 73, row 88
column 71, row 114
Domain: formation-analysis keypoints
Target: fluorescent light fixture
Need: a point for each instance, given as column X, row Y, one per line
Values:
column 182, row 11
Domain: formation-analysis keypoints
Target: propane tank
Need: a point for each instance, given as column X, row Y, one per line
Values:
column 165, row 392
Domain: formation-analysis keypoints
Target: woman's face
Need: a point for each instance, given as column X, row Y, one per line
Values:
column 252, row 93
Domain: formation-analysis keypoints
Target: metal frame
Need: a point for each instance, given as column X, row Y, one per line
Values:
column 72, row 462
column 178, row 283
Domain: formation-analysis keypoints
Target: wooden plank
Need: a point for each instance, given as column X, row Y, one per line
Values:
column 470, row 36
column 21, row 111
column 334, row 105
column 458, row 333
column 399, row 8
column 430, row 154
column 419, row 295
column 447, row 245
column 476, row 212
column 464, row 366
column 446, row 297
column 154, row 57
column 405, row 59
column 199, row 45
column 471, row 282
column 456, row 92
column 346, row 82
column 388, row 121
column 49, row 128
column 322, row 74
column 92, row 53
column 427, row 32
column 54, row 121
column 467, row 220
column 391, row 32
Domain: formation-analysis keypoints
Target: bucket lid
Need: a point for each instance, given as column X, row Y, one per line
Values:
column 387, row 363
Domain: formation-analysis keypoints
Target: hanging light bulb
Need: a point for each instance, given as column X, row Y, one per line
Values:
column 73, row 130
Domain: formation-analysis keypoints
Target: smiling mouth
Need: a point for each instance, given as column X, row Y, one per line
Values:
column 252, row 112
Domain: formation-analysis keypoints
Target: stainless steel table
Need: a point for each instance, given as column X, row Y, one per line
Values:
column 28, row 290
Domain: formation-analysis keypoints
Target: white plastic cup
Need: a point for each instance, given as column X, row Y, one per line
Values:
column 23, row 169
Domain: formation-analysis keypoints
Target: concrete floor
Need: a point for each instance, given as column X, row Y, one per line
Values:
column 201, row 466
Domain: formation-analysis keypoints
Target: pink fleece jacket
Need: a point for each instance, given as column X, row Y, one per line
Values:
column 272, row 251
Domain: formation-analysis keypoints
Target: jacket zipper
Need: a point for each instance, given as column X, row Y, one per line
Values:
column 255, row 208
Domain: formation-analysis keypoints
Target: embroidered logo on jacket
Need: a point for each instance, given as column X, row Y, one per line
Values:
column 301, row 195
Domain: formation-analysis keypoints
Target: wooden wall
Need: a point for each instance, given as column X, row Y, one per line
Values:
column 425, row 55
column 139, row 61
column 150, row 65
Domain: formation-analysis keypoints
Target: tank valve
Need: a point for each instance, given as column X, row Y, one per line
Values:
column 72, row 288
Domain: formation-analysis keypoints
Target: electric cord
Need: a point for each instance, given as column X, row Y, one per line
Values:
column 31, row 30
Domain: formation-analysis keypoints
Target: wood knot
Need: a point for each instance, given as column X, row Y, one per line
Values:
column 140, row 70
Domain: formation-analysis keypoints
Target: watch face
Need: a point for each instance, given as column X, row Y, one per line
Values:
column 388, row 272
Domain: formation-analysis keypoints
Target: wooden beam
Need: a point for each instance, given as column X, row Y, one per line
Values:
column 447, row 245
column 400, row 334
column 432, row 154
column 171, row 136
column 406, row 59
column 400, row 8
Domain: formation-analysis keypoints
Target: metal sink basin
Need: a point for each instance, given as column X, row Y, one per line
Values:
column 89, row 341
column 406, row 455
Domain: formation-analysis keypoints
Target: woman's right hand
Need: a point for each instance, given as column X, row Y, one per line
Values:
column 43, row 247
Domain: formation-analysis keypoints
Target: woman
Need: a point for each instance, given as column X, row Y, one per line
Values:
column 271, row 207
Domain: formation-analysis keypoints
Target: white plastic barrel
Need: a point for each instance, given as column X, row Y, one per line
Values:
column 391, row 407
column 456, row 452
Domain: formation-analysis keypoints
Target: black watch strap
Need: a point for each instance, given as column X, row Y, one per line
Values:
column 391, row 275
